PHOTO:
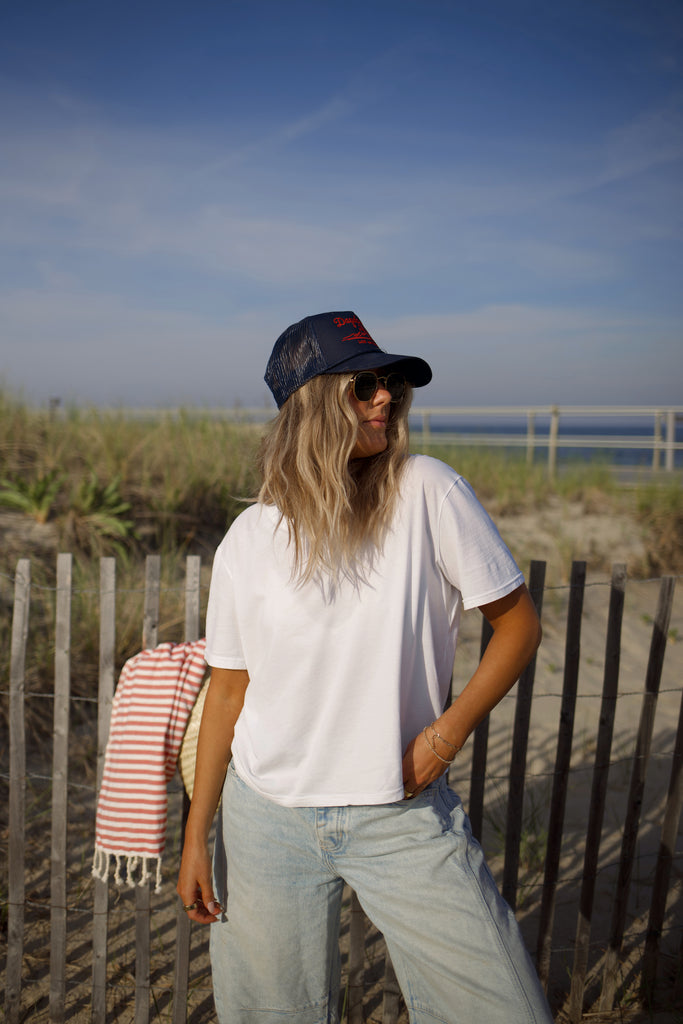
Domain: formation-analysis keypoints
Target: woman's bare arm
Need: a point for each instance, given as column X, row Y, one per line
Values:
column 516, row 636
column 222, row 707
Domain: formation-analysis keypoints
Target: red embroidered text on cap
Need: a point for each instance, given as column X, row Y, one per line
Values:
column 361, row 334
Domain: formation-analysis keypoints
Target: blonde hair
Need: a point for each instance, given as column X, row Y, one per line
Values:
column 334, row 507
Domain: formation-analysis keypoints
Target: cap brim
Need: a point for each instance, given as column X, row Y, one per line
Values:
column 415, row 370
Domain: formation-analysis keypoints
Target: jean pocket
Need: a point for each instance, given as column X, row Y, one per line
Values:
column 448, row 806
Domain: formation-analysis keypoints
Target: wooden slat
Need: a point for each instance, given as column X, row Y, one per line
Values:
column 181, row 972
column 142, row 953
column 150, row 624
column 150, row 638
column 641, row 758
column 391, row 999
column 193, row 569
column 479, row 753
column 356, row 961
column 561, row 776
column 598, row 790
column 520, row 739
column 104, row 704
column 183, row 923
column 678, row 984
column 107, row 659
column 60, row 803
column 667, row 847
column 17, row 792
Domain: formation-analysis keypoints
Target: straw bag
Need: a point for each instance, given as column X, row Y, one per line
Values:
column 188, row 750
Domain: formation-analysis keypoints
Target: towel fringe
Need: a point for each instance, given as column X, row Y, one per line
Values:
column 106, row 860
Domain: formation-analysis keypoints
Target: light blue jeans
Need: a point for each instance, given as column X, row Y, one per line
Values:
column 421, row 879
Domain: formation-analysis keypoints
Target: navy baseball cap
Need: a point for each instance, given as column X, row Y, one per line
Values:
column 332, row 343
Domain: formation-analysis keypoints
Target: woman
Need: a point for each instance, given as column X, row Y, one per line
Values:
column 331, row 632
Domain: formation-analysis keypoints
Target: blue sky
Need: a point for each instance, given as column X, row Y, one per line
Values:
column 496, row 186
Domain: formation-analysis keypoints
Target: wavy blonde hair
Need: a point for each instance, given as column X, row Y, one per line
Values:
column 334, row 507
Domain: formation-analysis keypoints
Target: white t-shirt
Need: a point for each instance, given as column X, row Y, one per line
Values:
column 343, row 675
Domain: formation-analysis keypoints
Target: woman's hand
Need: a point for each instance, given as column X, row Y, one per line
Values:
column 195, row 886
column 224, row 701
column 421, row 765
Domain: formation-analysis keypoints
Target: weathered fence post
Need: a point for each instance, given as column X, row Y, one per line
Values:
column 667, row 848
column 391, row 999
column 17, row 792
column 641, row 757
column 520, row 740
column 356, row 951
column 562, row 762
column 150, row 636
column 193, row 567
column 104, row 704
column 479, row 753
column 598, row 790
column 60, row 796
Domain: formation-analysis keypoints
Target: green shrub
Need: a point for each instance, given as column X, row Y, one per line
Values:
column 35, row 496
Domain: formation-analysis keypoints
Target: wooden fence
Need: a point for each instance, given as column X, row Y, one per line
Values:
column 96, row 899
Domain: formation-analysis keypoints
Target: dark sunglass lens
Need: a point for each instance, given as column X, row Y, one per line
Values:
column 364, row 386
column 396, row 385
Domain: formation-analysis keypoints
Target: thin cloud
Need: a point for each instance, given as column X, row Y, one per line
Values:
column 268, row 144
column 131, row 355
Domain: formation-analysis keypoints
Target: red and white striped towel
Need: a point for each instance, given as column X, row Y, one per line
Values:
column 153, row 700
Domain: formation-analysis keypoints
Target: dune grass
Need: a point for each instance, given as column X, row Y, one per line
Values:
column 121, row 484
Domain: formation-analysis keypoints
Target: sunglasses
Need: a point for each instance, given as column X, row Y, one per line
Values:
column 366, row 383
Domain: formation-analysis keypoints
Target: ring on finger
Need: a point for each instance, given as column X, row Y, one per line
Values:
column 190, row 906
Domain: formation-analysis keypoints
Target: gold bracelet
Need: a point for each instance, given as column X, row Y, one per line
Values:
column 439, row 737
column 433, row 750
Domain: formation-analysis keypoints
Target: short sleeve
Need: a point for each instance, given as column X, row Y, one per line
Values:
column 223, row 640
column 471, row 553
